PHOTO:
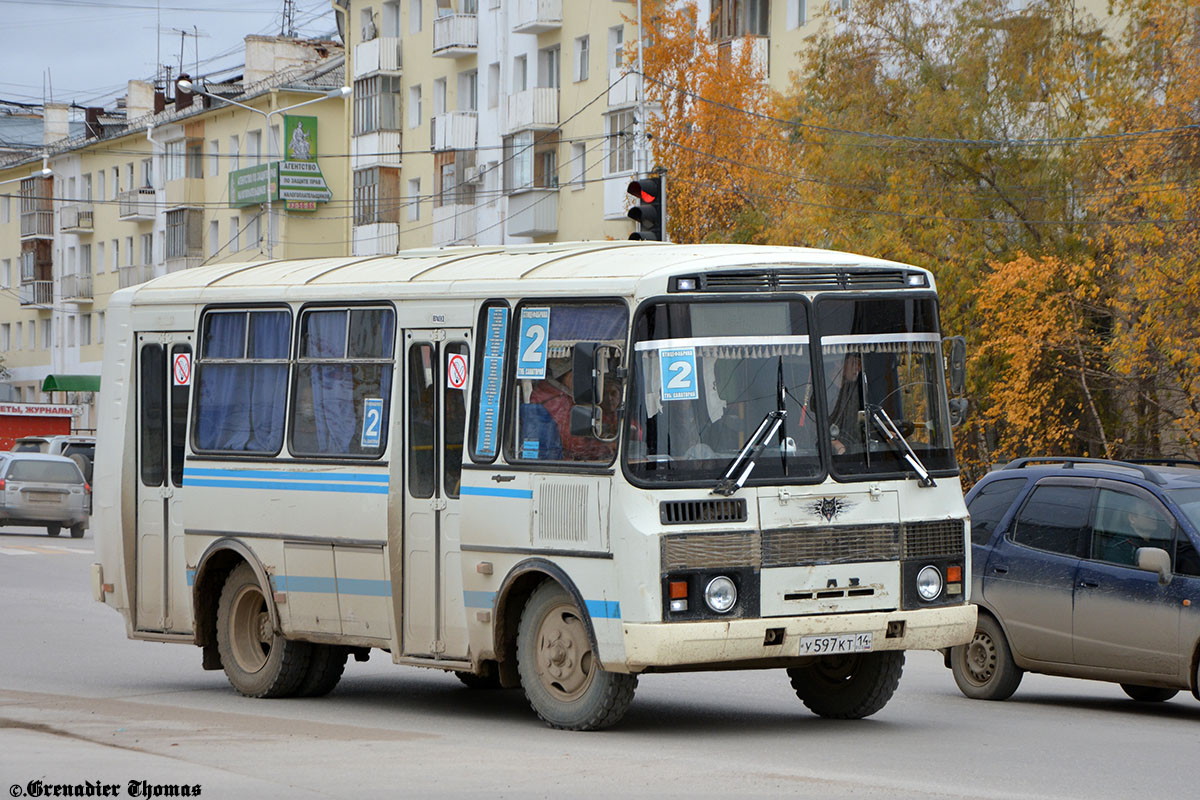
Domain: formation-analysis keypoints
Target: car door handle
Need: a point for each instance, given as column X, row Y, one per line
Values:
column 1000, row 570
column 1088, row 585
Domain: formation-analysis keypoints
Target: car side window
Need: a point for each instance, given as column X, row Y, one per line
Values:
column 1125, row 522
column 1055, row 519
column 989, row 505
column 1187, row 560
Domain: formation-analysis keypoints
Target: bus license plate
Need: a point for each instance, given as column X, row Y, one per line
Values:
column 831, row 645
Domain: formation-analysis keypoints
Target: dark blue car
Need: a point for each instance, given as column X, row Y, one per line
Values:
column 1084, row 568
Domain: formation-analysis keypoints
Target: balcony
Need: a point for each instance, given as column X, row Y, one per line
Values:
column 623, row 87
column 36, row 293
column 37, row 224
column 77, row 288
column 537, row 16
column 177, row 263
column 532, row 109
column 76, row 219
column 379, row 149
column 453, row 130
column 378, row 55
column 185, row 193
column 455, row 36
column 376, row 239
column 533, row 212
column 132, row 275
column 136, row 204
column 454, row 224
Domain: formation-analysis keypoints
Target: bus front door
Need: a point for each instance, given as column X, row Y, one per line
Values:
column 432, row 608
column 164, row 377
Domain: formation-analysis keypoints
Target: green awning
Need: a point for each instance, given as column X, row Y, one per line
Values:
column 71, row 383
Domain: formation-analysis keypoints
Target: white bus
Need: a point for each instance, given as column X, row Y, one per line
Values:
column 552, row 466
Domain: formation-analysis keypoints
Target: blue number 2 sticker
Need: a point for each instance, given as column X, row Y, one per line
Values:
column 678, row 374
column 535, row 338
column 372, row 421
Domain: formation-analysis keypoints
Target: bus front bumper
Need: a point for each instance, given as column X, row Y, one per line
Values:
column 683, row 644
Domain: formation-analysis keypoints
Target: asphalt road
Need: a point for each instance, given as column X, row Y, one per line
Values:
column 80, row 703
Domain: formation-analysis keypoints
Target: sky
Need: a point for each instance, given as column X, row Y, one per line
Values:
column 84, row 51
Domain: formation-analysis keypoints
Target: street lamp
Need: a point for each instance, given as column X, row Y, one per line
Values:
column 341, row 91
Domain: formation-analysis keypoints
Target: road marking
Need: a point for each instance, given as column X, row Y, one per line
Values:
column 28, row 550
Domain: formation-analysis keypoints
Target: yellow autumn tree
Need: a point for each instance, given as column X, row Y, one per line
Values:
column 711, row 126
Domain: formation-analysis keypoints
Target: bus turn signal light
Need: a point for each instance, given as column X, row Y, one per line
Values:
column 678, row 589
column 953, row 574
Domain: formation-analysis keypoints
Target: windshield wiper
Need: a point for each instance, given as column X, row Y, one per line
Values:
column 750, row 451
column 892, row 431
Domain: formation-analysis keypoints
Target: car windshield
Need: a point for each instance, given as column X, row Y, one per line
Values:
column 44, row 471
column 880, row 361
column 1188, row 501
column 706, row 375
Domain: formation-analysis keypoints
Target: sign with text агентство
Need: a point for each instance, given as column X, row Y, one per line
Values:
column 297, row 180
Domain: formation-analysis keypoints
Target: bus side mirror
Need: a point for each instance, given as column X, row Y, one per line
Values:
column 958, row 364
column 958, row 411
column 585, row 388
column 582, row 418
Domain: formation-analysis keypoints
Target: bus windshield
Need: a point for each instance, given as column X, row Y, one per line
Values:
column 845, row 377
column 706, row 375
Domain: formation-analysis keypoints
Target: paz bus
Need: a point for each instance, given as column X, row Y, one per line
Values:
column 556, row 467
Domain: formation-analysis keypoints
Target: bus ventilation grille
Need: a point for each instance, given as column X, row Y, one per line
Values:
column 802, row 280
column 711, row 550
column 934, row 538
column 687, row 512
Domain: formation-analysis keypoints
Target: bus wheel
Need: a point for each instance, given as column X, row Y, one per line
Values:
column 326, row 664
column 559, row 672
column 257, row 661
column 487, row 680
column 850, row 686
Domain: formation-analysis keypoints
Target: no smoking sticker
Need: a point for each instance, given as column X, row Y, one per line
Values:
column 181, row 369
column 456, row 371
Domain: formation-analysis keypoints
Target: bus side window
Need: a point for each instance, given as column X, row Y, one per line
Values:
column 489, row 385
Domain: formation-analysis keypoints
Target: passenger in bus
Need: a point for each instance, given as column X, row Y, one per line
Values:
column 554, row 394
column 845, row 425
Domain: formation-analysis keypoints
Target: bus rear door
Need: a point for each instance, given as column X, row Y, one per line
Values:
column 164, row 378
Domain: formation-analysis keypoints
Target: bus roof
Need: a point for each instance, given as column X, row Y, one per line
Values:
column 599, row 262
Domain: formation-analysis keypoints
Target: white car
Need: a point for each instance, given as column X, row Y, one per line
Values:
column 43, row 490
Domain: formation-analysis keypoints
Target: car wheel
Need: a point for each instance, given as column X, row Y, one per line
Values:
column 53, row 530
column 849, row 686
column 984, row 668
column 77, row 530
column 1148, row 694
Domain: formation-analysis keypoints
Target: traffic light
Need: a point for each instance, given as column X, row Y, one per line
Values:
column 649, row 210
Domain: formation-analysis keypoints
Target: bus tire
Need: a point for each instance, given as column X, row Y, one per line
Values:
column 983, row 667
column 487, row 680
column 849, row 686
column 326, row 664
column 257, row 661
column 562, row 678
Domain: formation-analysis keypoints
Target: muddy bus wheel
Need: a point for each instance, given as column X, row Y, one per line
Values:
column 326, row 664
column 257, row 661
column 561, row 676
column 849, row 686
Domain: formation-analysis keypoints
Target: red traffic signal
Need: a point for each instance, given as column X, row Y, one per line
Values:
column 648, row 212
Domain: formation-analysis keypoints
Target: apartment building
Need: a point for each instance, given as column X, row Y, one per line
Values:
column 164, row 182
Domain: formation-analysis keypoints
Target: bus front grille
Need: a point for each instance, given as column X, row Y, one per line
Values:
column 686, row 512
column 933, row 538
column 842, row 544
column 709, row 550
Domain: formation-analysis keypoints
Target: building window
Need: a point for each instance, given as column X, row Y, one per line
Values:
column 214, row 238
column 45, row 334
column 733, row 18
column 519, row 74
column 20, row 338
column 493, row 85
column 235, row 234
column 86, row 188
column 254, row 231
column 376, row 104
column 234, row 151
column 616, row 47
column 100, row 186
column 619, row 142
column 214, row 157
column 548, row 68
column 147, row 249
column 148, row 173
column 129, row 251
column 439, row 96
column 5, row 336
column 85, row 259
column 518, row 154
column 85, row 330
column 116, row 254
column 70, row 330
column 99, row 258
column 413, row 201
column 582, row 53
column 6, row 273
column 254, row 148
column 448, row 178
column 414, row 106
column 176, row 153
column 414, row 16
column 468, row 90
column 116, row 183
column 100, row 328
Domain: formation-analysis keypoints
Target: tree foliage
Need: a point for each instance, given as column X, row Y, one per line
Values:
column 1040, row 161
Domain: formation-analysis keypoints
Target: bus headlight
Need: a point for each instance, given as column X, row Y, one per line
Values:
column 929, row 583
column 720, row 594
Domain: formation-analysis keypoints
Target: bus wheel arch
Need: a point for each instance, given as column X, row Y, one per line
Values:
column 519, row 585
column 220, row 559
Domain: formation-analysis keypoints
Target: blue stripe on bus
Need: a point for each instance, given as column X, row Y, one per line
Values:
column 492, row 491
column 598, row 609
column 286, row 486
column 359, row 477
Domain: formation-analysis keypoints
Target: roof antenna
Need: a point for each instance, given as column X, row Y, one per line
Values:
column 288, row 28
